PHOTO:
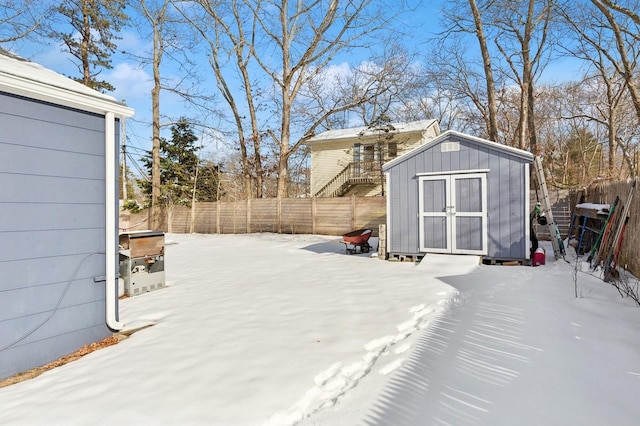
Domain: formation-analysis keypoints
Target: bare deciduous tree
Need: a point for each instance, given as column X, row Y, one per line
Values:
column 609, row 44
column 155, row 15
column 230, row 35
column 171, row 45
column 455, row 63
column 523, row 42
column 278, row 47
column 20, row 19
column 454, row 74
column 520, row 34
column 386, row 84
column 492, row 119
column 624, row 31
column 387, row 80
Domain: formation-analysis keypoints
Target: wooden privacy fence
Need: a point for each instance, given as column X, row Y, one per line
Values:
column 328, row 216
column 324, row 216
column 337, row 216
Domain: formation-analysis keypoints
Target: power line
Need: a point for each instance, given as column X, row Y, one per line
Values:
column 135, row 148
column 141, row 173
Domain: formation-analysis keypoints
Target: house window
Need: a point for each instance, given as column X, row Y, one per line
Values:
column 392, row 149
column 369, row 153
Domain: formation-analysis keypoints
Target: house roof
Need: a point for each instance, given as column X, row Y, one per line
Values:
column 22, row 77
column 365, row 132
column 526, row 155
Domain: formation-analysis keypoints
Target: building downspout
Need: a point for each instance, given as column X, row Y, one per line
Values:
column 388, row 230
column 527, row 210
column 111, row 295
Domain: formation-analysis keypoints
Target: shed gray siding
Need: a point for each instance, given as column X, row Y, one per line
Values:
column 506, row 194
column 52, row 231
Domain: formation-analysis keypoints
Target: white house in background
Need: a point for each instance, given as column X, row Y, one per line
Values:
column 58, row 214
column 349, row 161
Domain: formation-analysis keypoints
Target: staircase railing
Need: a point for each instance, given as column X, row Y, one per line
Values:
column 363, row 172
column 334, row 185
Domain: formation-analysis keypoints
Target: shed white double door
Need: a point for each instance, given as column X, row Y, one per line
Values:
column 453, row 213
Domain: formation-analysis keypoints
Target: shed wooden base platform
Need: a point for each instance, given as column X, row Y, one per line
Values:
column 506, row 262
column 404, row 257
column 400, row 257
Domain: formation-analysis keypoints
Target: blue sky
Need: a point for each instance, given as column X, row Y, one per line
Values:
column 133, row 83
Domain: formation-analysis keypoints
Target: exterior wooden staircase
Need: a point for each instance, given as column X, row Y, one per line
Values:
column 358, row 173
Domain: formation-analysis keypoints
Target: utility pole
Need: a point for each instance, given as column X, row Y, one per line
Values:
column 123, row 137
column 195, row 186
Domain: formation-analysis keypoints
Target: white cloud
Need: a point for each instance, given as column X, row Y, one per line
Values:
column 338, row 71
column 131, row 82
column 130, row 42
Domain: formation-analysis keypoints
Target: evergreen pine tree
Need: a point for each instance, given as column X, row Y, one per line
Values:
column 94, row 26
column 178, row 163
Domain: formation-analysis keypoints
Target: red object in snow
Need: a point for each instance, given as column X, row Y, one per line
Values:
column 358, row 238
column 538, row 257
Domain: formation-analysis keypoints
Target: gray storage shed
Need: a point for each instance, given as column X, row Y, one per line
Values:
column 58, row 214
column 459, row 194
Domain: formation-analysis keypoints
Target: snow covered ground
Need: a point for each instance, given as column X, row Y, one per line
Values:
column 270, row 329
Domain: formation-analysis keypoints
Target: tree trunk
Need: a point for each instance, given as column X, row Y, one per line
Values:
column 612, row 134
column 523, row 120
column 628, row 68
column 492, row 124
column 533, row 138
column 285, row 153
column 84, row 50
column 155, row 150
column 283, row 177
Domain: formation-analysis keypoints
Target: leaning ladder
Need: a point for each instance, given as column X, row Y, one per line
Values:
column 554, row 233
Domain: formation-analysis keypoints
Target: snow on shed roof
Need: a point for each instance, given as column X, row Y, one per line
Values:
column 366, row 132
column 449, row 133
column 22, row 77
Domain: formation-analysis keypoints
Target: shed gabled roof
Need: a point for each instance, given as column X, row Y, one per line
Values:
column 525, row 155
column 22, row 77
column 364, row 132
